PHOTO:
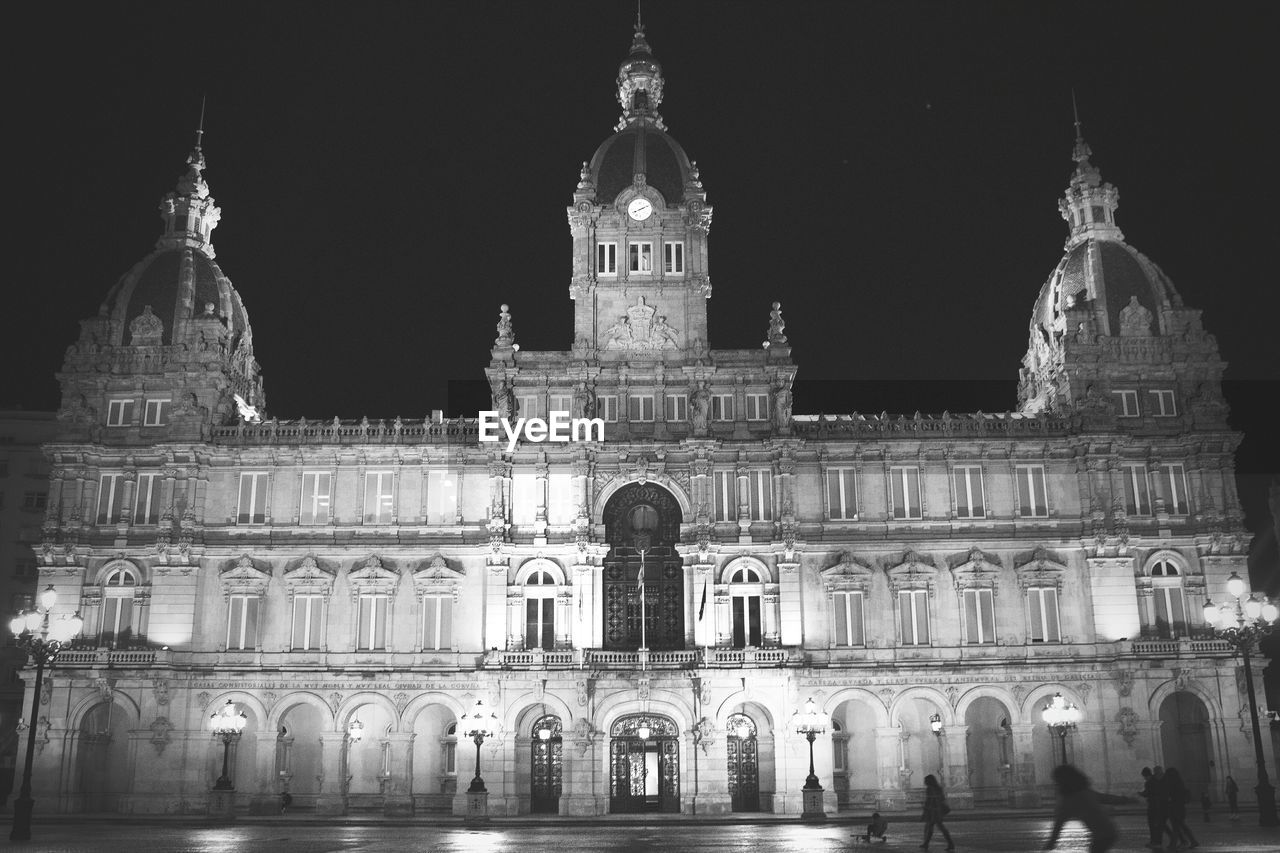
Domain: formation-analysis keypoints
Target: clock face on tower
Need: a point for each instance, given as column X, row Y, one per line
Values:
column 640, row 209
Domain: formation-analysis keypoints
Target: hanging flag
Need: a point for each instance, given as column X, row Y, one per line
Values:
column 640, row 577
column 702, row 608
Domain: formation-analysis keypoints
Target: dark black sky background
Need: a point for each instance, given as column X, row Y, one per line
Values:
column 389, row 173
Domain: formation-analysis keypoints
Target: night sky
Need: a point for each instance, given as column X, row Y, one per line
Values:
column 390, row 173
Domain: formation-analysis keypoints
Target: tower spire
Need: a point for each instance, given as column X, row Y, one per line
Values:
column 1089, row 205
column 189, row 212
column 640, row 82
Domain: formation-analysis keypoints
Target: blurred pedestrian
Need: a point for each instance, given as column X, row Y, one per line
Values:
column 286, row 800
column 1178, row 795
column 1077, row 801
column 1206, row 804
column 1233, row 794
column 935, row 809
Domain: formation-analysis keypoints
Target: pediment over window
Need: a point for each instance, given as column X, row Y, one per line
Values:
column 435, row 576
column 372, row 576
column 244, row 576
column 849, row 572
column 913, row 571
column 309, row 577
column 1040, row 568
column 975, row 569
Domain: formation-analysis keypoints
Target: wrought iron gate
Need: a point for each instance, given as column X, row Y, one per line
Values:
column 547, row 769
column 644, row 772
column 744, row 764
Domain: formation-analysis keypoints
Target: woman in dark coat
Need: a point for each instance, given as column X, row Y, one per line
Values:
column 935, row 809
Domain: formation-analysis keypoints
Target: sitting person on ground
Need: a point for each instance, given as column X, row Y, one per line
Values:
column 877, row 828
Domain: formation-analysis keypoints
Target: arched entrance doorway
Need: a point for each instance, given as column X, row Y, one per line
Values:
column 546, row 774
column 644, row 764
column 1184, row 737
column 742, row 751
column 104, row 768
column 989, row 749
column 642, row 524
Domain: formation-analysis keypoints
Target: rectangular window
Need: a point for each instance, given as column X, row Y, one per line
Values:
column 529, row 406
column 156, row 413
column 607, row 408
column 913, row 616
column 606, row 259
column 308, row 616
column 1126, row 403
column 746, row 621
column 979, row 616
column 119, row 412
column 725, row 496
column 117, row 619
column 1171, row 615
column 640, row 408
column 253, row 499
column 372, row 628
column 110, row 498
column 842, row 494
column 1032, row 501
column 562, row 403
column 1042, row 606
column 437, row 622
column 848, row 619
column 673, row 258
column 1137, row 495
column 539, row 623
column 1162, row 405
column 1173, row 478
column 1099, row 213
column 905, row 483
column 146, row 505
column 442, row 498
column 967, row 482
column 721, row 407
column 677, row 407
column 379, row 497
column 35, row 501
column 757, row 407
column 315, row 498
column 524, row 497
column 242, row 622
column 640, row 258
column 560, row 504
column 761, row 495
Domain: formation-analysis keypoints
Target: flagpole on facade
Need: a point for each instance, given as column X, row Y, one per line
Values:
column 643, row 638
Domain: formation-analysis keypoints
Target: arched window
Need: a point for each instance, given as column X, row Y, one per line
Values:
column 539, row 610
column 449, row 748
column 1168, row 599
column 746, row 590
column 117, row 625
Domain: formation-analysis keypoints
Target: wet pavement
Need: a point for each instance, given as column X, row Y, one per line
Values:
column 973, row 832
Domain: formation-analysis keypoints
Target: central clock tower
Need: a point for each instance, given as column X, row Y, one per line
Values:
column 639, row 221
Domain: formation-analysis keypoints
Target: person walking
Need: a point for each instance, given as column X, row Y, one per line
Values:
column 1178, row 796
column 1233, row 794
column 1078, row 801
column 1206, row 804
column 1153, row 791
column 935, row 809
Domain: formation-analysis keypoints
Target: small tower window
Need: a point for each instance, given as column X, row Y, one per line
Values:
column 1099, row 213
column 640, row 100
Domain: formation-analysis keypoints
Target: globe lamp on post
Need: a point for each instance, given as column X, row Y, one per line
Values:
column 1061, row 716
column 42, row 640
column 810, row 723
column 1243, row 623
column 227, row 723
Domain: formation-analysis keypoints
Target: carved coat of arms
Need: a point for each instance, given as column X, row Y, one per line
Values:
column 641, row 328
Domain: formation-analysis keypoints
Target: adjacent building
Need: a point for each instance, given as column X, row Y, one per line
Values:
column 644, row 614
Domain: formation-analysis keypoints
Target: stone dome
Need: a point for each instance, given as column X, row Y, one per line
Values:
column 1110, row 273
column 176, row 285
column 639, row 148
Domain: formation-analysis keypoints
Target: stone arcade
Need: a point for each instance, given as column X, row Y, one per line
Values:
column 336, row 577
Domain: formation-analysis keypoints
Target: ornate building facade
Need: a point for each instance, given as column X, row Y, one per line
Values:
column 643, row 613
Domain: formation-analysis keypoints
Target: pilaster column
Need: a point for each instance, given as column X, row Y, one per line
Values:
column 790, row 607
column 397, row 801
column 332, row 798
column 1024, row 766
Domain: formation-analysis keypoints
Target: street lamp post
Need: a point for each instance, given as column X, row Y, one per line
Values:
column 1061, row 716
column 481, row 723
column 1243, row 623
column 810, row 723
column 42, row 641
column 227, row 724
column 935, row 724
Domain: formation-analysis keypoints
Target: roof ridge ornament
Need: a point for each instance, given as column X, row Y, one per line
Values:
column 189, row 212
column 1089, row 204
column 640, row 82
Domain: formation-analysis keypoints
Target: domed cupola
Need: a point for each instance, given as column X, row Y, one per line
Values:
column 639, row 221
column 1108, row 315
column 173, row 326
